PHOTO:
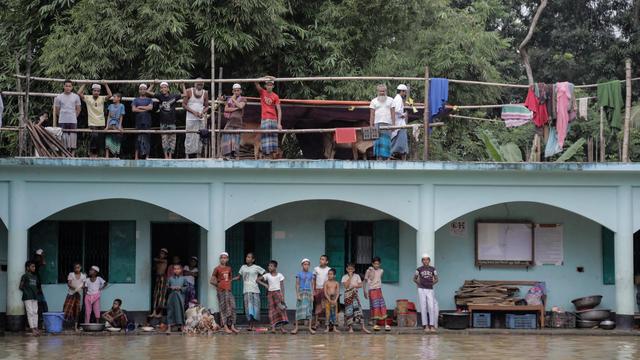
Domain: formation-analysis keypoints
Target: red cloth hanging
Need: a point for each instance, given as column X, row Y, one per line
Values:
column 540, row 114
column 345, row 135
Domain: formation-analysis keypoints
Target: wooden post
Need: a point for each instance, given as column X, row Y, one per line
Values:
column 218, row 150
column 602, row 141
column 21, row 138
column 27, row 90
column 426, row 115
column 212, row 143
column 627, row 113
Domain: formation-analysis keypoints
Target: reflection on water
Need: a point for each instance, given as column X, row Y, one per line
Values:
column 342, row 346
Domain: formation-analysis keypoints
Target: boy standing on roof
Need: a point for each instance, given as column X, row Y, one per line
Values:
column 271, row 116
column 167, row 112
column 399, row 141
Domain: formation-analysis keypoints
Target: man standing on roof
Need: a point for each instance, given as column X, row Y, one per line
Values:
column 382, row 113
column 399, row 141
column 233, row 112
column 66, row 107
column 196, row 104
column 95, row 115
column 167, row 113
column 142, row 107
column 271, row 117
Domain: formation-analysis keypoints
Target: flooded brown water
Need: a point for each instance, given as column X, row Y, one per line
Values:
column 338, row 346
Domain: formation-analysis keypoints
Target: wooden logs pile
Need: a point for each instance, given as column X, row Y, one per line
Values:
column 486, row 293
column 45, row 144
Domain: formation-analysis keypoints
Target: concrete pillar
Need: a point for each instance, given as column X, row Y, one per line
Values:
column 625, row 290
column 426, row 235
column 16, row 255
column 215, row 238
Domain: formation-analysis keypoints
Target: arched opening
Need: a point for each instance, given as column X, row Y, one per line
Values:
column 121, row 237
column 344, row 231
column 574, row 261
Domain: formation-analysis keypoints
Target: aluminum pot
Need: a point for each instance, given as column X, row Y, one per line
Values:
column 92, row 327
column 595, row 315
column 607, row 325
column 583, row 324
column 588, row 302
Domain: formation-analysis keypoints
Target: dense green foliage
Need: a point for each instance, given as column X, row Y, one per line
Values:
column 582, row 41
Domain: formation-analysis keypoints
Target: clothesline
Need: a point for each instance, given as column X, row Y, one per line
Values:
column 475, row 118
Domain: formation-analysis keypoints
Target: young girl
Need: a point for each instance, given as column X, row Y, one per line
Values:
column 73, row 303
column 116, row 114
column 352, row 307
column 304, row 296
column 373, row 280
column 277, row 307
column 93, row 286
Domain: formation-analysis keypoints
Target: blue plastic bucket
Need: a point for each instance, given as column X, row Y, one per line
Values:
column 53, row 321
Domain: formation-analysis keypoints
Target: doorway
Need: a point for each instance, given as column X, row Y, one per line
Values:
column 243, row 238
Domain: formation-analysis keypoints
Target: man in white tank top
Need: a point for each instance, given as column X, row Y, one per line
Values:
column 196, row 104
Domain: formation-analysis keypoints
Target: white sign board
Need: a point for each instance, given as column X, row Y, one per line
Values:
column 549, row 244
column 504, row 243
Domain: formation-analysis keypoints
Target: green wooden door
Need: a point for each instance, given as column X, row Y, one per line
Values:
column 234, row 245
column 335, row 244
column 122, row 252
column 386, row 235
column 262, row 251
column 44, row 235
column 608, row 257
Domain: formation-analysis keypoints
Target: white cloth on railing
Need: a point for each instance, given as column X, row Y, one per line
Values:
column 583, row 107
column 416, row 131
column 55, row 131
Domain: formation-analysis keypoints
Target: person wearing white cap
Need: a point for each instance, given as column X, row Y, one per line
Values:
column 142, row 107
column 426, row 277
column 167, row 115
column 93, row 285
column 66, row 108
column 196, row 104
column 250, row 290
column 95, row 115
column 233, row 113
column 304, row 296
column 399, row 140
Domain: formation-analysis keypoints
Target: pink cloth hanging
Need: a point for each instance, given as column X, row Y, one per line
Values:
column 563, row 94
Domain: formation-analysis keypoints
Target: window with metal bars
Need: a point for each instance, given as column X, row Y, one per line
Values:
column 86, row 242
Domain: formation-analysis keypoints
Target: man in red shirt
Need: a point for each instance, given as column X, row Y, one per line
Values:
column 271, row 116
column 221, row 279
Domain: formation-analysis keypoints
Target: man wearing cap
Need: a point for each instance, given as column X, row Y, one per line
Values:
column 66, row 107
column 95, row 115
column 271, row 117
column 233, row 112
column 426, row 277
column 196, row 104
column 167, row 114
column 160, row 288
column 142, row 107
column 399, row 141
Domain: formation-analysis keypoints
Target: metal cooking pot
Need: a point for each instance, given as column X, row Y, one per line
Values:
column 588, row 302
column 455, row 320
column 583, row 324
column 607, row 325
column 92, row 327
column 595, row 315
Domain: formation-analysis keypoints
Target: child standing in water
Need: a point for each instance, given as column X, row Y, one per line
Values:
column 304, row 296
column 73, row 303
column 373, row 280
column 221, row 280
column 425, row 277
column 320, row 275
column 331, row 293
column 93, row 285
column 29, row 288
column 275, row 295
column 251, row 292
column 352, row 307
column 177, row 285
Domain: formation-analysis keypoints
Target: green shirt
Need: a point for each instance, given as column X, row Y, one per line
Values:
column 29, row 286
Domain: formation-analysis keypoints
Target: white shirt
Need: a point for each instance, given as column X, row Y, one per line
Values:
column 249, row 276
column 273, row 281
column 398, row 104
column 76, row 282
column 190, row 278
column 321, row 275
column 93, row 287
column 382, row 110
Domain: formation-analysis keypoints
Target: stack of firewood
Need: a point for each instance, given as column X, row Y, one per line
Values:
column 45, row 144
column 486, row 293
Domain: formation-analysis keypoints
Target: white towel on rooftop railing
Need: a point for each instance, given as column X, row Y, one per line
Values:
column 583, row 107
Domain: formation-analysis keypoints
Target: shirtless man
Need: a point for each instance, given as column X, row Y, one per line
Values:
column 160, row 289
column 331, row 293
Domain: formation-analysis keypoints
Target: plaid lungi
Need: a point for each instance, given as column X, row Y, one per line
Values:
column 227, row 306
column 71, row 308
column 382, row 146
column 160, row 293
column 352, row 307
column 168, row 140
column 277, row 308
column 318, row 301
column 113, row 143
column 304, row 305
column 376, row 305
column 231, row 142
column 269, row 142
column 252, row 306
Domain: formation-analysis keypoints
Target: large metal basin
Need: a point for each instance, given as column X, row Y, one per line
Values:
column 587, row 302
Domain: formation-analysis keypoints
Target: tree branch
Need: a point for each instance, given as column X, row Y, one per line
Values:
column 523, row 45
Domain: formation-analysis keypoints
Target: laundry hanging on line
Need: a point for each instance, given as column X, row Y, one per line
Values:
column 610, row 98
column 438, row 95
column 539, row 102
column 515, row 115
column 345, row 135
column 565, row 105
column 583, row 107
